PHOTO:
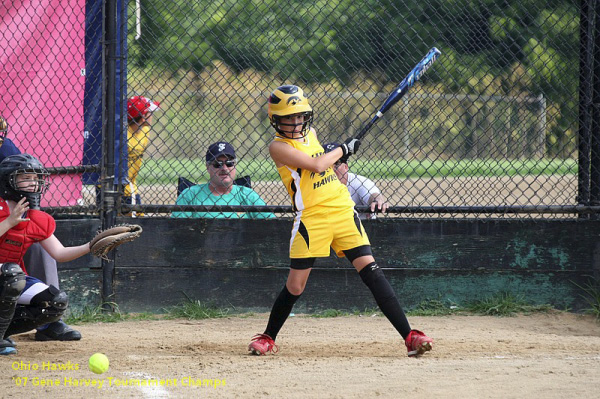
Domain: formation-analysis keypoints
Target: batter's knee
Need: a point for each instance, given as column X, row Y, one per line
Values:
column 302, row 263
column 373, row 277
column 296, row 288
column 355, row 253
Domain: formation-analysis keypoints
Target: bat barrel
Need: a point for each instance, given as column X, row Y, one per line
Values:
column 414, row 75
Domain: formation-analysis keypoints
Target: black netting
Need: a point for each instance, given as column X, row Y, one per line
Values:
column 491, row 130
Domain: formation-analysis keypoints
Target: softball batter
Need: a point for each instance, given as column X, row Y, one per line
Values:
column 325, row 218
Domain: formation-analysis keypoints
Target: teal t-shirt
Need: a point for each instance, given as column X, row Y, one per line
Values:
column 239, row 195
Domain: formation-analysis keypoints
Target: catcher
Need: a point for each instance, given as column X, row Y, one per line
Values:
column 26, row 302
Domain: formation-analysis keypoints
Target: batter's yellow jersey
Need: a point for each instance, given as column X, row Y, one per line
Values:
column 307, row 188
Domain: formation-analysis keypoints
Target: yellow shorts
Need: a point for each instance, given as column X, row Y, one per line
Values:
column 322, row 227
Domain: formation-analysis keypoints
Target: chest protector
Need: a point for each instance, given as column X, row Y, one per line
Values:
column 15, row 242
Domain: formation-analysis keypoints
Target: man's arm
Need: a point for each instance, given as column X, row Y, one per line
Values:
column 365, row 192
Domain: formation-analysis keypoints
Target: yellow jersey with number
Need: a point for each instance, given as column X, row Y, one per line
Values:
column 308, row 189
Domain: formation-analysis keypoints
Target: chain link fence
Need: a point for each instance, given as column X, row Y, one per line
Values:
column 490, row 131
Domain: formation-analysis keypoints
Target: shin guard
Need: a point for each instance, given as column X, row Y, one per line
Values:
column 385, row 297
column 45, row 307
column 12, row 283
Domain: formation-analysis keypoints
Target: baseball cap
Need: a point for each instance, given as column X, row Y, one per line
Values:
column 139, row 105
column 219, row 148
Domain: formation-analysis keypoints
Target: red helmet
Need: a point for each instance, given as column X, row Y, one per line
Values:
column 139, row 105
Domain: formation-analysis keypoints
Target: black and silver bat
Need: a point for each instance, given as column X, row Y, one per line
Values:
column 403, row 87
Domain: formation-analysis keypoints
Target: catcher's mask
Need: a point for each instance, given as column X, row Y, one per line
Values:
column 289, row 100
column 3, row 129
column 15, row 165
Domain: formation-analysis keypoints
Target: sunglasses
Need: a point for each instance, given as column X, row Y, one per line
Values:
column 219, row 164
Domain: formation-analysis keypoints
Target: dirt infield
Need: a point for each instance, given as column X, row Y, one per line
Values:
column 549, row 355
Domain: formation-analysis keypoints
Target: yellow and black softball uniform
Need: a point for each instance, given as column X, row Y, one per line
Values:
column 324, row 210
column 137, row 142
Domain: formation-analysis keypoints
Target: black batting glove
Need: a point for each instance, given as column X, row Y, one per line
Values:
column 344, row 159
column 349, row 147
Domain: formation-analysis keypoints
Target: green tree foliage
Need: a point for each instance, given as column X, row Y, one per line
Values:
column 512, row 48
column 332, row 39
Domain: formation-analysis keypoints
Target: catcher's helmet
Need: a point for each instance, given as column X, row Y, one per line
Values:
column 15, row 165
column 3, row 129
column 289, row 100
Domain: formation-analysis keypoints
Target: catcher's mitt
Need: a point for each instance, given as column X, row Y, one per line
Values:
column 107, row 240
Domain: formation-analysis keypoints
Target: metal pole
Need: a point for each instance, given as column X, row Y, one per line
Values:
column 595, row 115
column 585, row 99
column 108, row 214
column 541, row 128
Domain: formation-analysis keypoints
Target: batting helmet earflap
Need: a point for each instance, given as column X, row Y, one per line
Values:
column 289, row 100
column 14, row 165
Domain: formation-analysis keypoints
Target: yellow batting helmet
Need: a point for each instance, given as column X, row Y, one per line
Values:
column 289, row 100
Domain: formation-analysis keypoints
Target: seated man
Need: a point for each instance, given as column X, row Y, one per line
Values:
column 220, row 189
column 363, row 191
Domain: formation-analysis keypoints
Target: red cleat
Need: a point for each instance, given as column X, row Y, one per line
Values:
column 418, row 343
column 262, row 344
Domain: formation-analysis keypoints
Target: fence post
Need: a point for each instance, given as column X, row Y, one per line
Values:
column 595, row 111
column 585, row 98
column 541, row 127
column 108, row 214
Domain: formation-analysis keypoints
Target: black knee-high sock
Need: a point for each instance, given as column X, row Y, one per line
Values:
column 385, row 297
column 281, row 310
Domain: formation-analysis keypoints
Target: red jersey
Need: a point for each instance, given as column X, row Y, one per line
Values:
column 15, row 242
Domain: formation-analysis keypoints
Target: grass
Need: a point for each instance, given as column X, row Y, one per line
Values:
column 188, row 309
column 591, row 294
column 164, row 171
column 196, row 310
column 433, row 307
column 505, row 304
column 501, row 304
column 99, row 313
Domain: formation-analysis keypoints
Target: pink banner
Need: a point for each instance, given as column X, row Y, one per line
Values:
column 42, row 85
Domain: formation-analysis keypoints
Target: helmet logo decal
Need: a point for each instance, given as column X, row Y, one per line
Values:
column 274, row 99
column 294, row 100
column 288, row 89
